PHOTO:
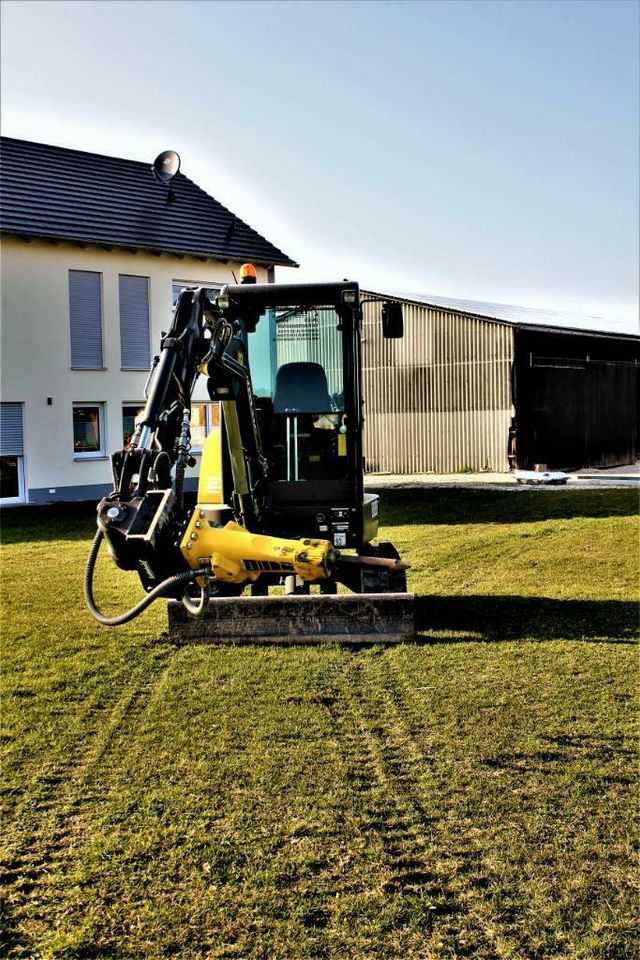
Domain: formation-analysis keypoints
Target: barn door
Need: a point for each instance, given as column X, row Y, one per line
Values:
column 613, row 414
column 560, row 420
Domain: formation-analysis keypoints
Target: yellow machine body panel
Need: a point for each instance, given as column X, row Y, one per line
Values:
column 210, row 490
column 238, row 556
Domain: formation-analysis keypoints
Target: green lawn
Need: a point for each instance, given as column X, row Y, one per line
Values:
column 471, row 795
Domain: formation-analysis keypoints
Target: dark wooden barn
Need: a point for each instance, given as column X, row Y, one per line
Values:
column 576, row 398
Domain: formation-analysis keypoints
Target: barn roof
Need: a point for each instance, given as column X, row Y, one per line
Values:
column 56, row 193
column 521, row 317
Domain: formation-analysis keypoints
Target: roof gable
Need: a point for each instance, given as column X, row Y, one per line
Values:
column 61, row 194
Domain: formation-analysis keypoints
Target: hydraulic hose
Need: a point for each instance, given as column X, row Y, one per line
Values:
column 196, row 609
column 146, row 601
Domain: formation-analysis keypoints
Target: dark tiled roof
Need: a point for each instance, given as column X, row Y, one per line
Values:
column 60, row 194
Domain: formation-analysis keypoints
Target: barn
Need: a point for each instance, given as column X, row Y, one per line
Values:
column 478, row 386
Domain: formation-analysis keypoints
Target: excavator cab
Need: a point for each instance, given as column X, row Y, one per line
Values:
column 302, row 346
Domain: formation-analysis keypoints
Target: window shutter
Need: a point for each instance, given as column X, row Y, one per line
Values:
column 11, row 444
column 85, row 310
column 134, row 323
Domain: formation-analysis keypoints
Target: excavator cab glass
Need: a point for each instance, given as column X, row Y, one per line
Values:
column 309, row 423
column 304, row 361
column 297, row 363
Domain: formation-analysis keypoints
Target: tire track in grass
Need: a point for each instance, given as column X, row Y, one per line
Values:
column 382, row 763
column 461, row 863
column 499, row 908
column 50, row 818
column 402, row 791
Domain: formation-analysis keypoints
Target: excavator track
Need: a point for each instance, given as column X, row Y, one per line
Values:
column 298, row 619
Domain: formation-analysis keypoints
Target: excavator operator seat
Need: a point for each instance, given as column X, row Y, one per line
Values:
column 301, row 387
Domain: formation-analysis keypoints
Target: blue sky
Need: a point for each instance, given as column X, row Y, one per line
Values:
column 486, row 150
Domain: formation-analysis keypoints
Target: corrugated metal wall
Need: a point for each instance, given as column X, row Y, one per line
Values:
column 439, row 399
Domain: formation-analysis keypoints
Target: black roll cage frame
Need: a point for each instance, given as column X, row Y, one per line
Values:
column 244, row 304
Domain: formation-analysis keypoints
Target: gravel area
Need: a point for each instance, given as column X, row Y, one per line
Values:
column 627, row 476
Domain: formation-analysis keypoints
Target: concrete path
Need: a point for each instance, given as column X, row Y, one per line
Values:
column 627, row 476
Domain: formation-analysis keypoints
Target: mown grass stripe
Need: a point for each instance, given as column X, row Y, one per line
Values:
column 471, row 795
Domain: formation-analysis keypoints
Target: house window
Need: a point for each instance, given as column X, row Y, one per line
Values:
column 130, row 414
column 175, row 292
column 134, row 322
column 85, row 314
column 204, row 416
column 11, row 453
column 88, row 430
column 11, row 480
column 179, row 285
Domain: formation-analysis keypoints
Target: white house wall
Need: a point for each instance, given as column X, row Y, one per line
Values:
column 36, row 352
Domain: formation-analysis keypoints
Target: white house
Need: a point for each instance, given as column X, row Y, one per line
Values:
column 93, row 255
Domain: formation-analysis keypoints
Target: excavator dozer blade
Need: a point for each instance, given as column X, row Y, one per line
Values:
column 312, row 618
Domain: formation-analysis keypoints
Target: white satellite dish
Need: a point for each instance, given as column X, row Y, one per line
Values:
column 165, row 166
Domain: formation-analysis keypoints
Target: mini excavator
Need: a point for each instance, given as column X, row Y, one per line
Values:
column 281, row 500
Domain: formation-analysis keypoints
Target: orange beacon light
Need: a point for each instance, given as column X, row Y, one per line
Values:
column 248, row 273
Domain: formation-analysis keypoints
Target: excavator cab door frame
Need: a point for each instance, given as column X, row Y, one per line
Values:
column 329, row 505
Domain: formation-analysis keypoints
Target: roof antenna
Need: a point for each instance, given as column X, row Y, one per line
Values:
column 165, row 167
column 235, row 279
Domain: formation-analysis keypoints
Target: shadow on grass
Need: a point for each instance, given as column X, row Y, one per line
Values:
column 482, row 619
column 442, row 506
column 518, row 618
column 73, row 521
column 56, row 521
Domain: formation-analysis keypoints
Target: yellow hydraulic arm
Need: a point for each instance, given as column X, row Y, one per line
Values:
column 234, row 554
column 237, row 556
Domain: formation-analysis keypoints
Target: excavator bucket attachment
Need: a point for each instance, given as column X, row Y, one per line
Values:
column 312, row 618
